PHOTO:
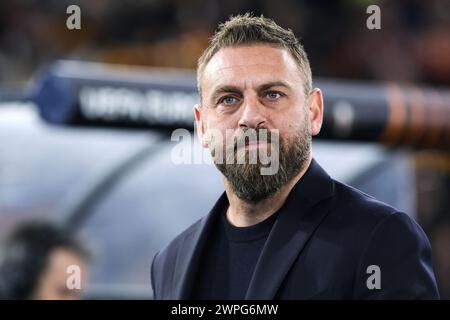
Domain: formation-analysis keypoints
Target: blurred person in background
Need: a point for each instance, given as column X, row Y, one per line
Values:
column 35, row 263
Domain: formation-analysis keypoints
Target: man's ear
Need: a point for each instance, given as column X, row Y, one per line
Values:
column 315, row 108
column 201, row 132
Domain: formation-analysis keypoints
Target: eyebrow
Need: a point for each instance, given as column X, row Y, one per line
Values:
column 272, row 84
column 233, row 89
column 224, row 89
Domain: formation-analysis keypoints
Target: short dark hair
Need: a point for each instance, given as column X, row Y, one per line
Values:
column 246, row 30
column 25, row 256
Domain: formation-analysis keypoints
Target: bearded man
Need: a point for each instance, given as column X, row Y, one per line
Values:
column 283, row 229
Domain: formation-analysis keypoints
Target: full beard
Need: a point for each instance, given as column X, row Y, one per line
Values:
column 246, row 179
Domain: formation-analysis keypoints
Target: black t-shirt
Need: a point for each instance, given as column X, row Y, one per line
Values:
column 229, row 259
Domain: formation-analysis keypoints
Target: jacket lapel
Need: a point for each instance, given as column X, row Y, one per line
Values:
column 299, row 217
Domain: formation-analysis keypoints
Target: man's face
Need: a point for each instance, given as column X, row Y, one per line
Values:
column 52, row 284
column 257, row 87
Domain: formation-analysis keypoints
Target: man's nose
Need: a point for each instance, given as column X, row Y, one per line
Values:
column 253, row 114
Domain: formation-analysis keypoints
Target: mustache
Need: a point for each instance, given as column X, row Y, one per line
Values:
column 247, row 136
column 233, row 148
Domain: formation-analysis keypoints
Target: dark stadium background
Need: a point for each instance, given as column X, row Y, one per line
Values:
column 45, row 171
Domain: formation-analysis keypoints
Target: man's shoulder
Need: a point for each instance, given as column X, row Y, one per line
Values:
column 377, row 234
column 365, row 215
column 356, row 203
column 169, row 252
column 164, row 262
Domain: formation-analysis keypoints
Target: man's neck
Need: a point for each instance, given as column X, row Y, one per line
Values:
column 241, row 213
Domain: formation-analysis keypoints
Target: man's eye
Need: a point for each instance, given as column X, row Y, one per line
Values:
column 272, row 95
column 228, row 100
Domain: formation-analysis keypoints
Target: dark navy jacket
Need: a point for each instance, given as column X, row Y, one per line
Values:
column 323, row 245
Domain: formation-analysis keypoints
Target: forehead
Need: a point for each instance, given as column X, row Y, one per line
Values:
column 253, row 64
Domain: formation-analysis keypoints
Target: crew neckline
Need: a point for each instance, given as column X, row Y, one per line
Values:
column 250, row 233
